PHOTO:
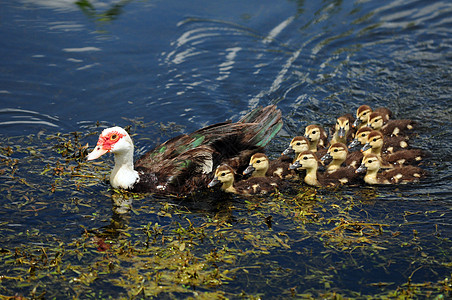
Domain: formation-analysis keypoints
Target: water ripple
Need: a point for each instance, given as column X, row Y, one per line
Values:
column 15, row 117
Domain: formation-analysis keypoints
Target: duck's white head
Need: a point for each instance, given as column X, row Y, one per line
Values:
column 115, row 140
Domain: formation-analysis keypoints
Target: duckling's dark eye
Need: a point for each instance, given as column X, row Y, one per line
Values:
column 314, row 132
column 375, row 139
column 114, row 137
column 370, row 161
column 298, row 144
column 364, row 113
column 305, row 158
column 363, row 135
column 258, row 161
column 335, row 150
column 223, row 174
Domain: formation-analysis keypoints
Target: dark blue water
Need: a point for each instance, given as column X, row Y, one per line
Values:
column 69, row 66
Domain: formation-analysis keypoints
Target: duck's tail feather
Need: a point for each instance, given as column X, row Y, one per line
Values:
column 269, row 123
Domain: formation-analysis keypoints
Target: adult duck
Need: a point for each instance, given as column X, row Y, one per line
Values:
column 184, row 164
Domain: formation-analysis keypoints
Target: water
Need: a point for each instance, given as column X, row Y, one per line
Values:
column 166, row 67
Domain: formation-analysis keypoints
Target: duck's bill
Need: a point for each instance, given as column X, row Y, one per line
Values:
column 354, row 144
column 250, row 169
column 288, row 151
column 214, row 182
column 357, row 122
column 295, row 165
column 341, row 132
column 361, row 169
column 96, row 153
column 366, row 147
column 326, row 157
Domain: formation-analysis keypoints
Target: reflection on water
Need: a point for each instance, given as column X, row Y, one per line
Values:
column 167, row 67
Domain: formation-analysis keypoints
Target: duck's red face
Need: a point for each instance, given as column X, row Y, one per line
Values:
column 108, row 138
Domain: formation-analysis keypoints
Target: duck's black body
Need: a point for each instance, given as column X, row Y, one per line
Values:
column 177, row 165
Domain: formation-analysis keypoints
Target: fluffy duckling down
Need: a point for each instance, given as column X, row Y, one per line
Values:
column 371, row 165
column 225, row 176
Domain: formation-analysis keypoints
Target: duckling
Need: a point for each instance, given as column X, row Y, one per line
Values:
column 261, row 166
column 224, row 174
column 371, row 165
column 363, row 112
column 378, row 121
column 297, row 145
column 341, row 158
column 360, row 137
column 318, row 139
column 375, row 142
column 307, row 160
column 391, row 144
column 342, row 131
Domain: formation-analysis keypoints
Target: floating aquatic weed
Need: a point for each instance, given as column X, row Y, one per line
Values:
column 120, row 244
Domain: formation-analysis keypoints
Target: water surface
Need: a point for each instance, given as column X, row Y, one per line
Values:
column 70, row 69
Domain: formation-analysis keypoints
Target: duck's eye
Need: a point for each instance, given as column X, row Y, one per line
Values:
column 370, row 161
column 305, row 158
column 364, row 113
column 335, row 150
column 314, row 132
column 298, row 144
column 375, row 139
column 258, row 161
column 114, row 137
column 346, row 123
column 363, row 135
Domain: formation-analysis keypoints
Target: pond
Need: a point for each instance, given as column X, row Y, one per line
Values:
column 160, row 68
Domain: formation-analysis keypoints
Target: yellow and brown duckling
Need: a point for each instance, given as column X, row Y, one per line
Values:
column 343, row 164
column 339, row 156
column 360, row 138
column 363, row 112
column 308, row 161
column 261, row 167
column 371, row 165
column 374, row 145
column 342, row 132
column 378, row 121
column 297, row 145
column 391, row 144
column 225, row 175
column 318, row 139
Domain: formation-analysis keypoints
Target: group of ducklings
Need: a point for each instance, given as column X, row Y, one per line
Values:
column 384, row 156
